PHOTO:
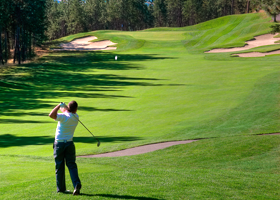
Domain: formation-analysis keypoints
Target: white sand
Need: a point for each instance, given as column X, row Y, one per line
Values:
column 257, row 54
column 85, row 44
column 262, row 40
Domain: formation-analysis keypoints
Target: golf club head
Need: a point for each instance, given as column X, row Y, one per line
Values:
column 98, row 144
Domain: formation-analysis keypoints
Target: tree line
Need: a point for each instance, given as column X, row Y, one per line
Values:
column 72, row 16
column 178, row 13
column 27, row 23
column 22, row 26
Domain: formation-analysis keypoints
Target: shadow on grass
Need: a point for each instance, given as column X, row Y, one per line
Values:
column 19, row 121
column 99, row 109
column 9, row 140
column 114, row 196
column 69, row 74
column 17, row 114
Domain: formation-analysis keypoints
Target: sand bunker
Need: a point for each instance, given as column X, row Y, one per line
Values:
column 256, row 54
column 139, row 150
column 149, row 148
column 83, row 44
column 262, row 40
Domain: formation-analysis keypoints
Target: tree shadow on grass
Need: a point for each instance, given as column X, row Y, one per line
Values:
column 19, row 121
column 90, row 61
column 8, row 140
column 69, row 74
column 40, row 114
column 115, row 196
column 99, row 109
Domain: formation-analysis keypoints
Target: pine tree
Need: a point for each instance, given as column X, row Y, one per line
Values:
column 272, row 7
column 175, row 12
column 93, row 11
column 22, row 19
column 76, row 19
column 160, row 13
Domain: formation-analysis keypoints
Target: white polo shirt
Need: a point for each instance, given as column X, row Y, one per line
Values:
column 66, row 126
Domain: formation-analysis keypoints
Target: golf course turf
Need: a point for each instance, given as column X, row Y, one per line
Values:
column 163, row 87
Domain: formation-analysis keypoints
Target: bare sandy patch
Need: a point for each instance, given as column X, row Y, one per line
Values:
column 257, row 54
column 149, row 148
column 84, row 44
column 139, row 150
column 262, row 40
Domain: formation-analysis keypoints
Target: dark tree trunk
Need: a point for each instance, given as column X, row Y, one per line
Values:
column 225, row 8
column 8, row 44
column 232, row 7
column 6, row 47
column 248, row 6
column 17, row 46
column 27, row 45
column 23, row 46
column 30, row 45
column 1, row 52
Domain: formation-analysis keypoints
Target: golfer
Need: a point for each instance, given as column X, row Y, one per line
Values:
column 64, row 148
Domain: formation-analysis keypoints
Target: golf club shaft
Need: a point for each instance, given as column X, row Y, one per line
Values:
column 88, row 130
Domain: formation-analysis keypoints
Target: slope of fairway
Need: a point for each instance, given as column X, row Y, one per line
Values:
column 162, row 88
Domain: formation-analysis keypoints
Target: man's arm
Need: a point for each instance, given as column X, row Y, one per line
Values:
column 53, row 113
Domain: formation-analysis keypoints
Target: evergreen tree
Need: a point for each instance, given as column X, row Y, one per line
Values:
column 6, row 22
column 139, row 15
column 113, row 11
column 175, row 12
column 272, row 7
column 54, row 16
column 160, row 13
column 189, row 12
column 76, row 18
column 93, row 14
column 22, row 21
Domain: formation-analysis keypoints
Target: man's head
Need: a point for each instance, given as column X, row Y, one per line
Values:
column 73, row 106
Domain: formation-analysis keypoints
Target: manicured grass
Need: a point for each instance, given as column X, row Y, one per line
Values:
column 161, row 88
column 226, row 168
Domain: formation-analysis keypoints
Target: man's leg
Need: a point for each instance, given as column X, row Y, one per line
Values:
column 59, row 166
column 70, row 155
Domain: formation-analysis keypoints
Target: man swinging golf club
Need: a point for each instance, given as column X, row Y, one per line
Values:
column 64, row 148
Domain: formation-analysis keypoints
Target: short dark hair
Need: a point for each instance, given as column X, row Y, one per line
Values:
column 73, row 106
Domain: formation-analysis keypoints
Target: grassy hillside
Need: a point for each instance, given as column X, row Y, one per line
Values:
column 161, row 88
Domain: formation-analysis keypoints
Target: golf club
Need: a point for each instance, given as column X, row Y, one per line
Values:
column 98, row 144
column 64, row 105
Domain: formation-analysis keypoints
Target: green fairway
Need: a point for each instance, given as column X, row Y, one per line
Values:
column 163, row 87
